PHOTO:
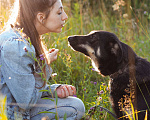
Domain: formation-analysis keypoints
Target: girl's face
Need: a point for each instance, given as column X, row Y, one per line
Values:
column 55, row 20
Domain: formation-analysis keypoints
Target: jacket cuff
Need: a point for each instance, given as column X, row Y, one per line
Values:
column 51, row 90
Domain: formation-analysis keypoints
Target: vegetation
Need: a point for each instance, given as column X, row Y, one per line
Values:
column 3, row 108
column 130, row 21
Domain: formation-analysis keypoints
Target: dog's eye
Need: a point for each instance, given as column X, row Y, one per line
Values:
column 93, row 39
column 94, row 36
column 93, row 52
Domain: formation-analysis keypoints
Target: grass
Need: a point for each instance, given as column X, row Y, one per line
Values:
column 3, row 108
column 76, row 69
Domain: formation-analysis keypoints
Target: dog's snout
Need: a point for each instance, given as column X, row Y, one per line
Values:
column 70, row 38
column 72, row 41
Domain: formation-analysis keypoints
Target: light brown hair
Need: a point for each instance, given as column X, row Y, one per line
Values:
column 28, row 10
column 25, row 16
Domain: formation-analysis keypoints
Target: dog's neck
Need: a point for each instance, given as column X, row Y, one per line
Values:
column 119, row 72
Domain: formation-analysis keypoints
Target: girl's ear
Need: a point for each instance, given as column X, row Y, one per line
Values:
column 40, row 17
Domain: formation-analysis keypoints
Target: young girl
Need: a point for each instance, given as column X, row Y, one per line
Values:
column 25, row 64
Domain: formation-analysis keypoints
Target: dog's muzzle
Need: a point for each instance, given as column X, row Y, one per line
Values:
column 72, row 41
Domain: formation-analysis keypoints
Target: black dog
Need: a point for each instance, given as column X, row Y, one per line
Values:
column 129, row 73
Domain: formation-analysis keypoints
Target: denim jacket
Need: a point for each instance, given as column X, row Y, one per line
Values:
column 17, row 81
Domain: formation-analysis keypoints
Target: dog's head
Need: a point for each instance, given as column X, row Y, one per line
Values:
column 104, row 49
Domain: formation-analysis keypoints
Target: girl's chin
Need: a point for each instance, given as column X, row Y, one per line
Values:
column 58, row 31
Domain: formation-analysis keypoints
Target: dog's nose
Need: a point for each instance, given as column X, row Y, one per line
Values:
column 70, row 38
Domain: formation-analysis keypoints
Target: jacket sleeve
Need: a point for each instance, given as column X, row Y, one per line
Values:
column 17, row 72
column 51, row 90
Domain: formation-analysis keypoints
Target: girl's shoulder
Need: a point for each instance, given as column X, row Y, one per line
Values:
column 14, row 40
column 7, row 34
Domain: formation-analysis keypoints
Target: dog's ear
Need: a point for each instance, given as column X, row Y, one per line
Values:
column 116, row 49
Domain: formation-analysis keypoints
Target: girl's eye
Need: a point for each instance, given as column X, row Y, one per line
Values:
column 59, row 13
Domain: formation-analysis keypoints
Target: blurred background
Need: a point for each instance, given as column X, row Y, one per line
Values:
column 128, row 19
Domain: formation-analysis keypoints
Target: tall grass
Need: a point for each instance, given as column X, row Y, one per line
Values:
column 76, row 69
column 3, row 108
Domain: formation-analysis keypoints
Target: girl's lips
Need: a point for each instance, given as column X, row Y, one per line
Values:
column 62, row 25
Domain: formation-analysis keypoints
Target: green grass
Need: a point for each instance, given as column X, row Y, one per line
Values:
column 76, row 69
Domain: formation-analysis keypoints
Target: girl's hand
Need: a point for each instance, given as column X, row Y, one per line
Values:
column 53, row 54
column 65, row 91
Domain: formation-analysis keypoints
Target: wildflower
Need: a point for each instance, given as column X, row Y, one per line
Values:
column 98, row 93
column 25, row 49
column 84, row 89
column 107, row 88
column 41, row 57
column 54, row 74
column 95, row 83
column 91, row 81
column 103, row 84
column 120, row 2
column 93, row 69
column 101, row 109
column 74, row 96
column 92, row 108
column 117, row 4
column 145, row 13
column 99, row 98
column 101, row 92
column 125, row 15
column 115, row 7
column 91, row 111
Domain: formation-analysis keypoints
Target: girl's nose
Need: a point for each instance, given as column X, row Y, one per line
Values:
column 64, row 17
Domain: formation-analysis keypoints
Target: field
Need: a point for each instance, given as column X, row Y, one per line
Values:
column 130, row 24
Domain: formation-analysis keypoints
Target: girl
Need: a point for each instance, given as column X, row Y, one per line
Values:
column 22, row 57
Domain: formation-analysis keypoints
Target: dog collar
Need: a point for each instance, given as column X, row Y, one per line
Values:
column 119, row 72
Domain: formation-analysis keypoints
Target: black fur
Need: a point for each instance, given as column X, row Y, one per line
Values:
column 129, row 73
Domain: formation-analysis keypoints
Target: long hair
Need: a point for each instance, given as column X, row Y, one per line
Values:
column 23, row 16
column 28, row 10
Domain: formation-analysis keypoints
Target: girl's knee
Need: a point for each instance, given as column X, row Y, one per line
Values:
column 71, row 106
column 79, row 106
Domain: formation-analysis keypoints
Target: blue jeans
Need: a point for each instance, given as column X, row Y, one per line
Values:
column 72, row 106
